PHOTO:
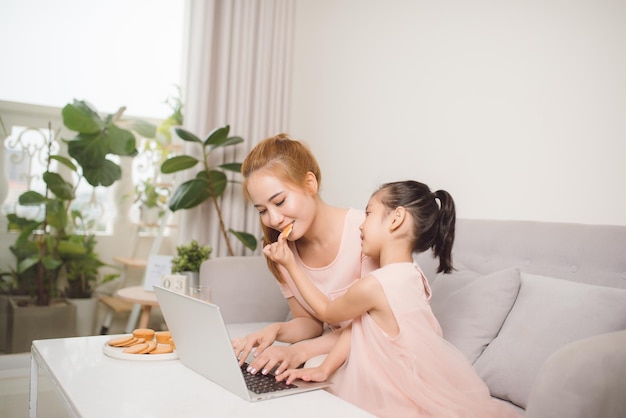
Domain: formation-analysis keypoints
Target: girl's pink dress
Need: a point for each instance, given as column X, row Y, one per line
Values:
column 416, row 373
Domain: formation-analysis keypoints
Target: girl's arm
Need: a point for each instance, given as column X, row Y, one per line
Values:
column 331, row 363
column 362, row 296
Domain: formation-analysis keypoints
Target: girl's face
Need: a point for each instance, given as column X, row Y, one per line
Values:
column 375, row 227
column 280, row 203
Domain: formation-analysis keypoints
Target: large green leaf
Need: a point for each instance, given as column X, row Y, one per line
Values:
column 121, row 141
column 88, row 149
column 31, row 198
column 217, row 136
column 190, row 194
column 51, row 263
column 216, row 180
column 104, row 175
column 233, row 140
column 235, row 167
column 187, row 136
column 80, row 117
column 178, row 163
column 57, row 185
column 65, row 161
column 27, row 263
column 69, row 248
column 246, row 239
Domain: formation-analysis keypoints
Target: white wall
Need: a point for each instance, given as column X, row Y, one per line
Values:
column 516, row 108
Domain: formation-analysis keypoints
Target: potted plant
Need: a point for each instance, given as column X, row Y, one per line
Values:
column 47, row 245
column 210, row 182
column 189, row 257
column 152, row 198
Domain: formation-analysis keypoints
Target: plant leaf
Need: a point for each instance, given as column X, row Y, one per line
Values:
column 235, row 167
column 246, row 239
column 88, row 149
column 65, row 161
column 122, row 142
column 190, row 194
column 216, row 181
column 217, row 137
column 104, row 175
column 31, row 198
column 178, row 163
column 61, row 189
column 27, row 263
column 187, row 136
column 69, row 248
column 233, row 140
column 80, row 117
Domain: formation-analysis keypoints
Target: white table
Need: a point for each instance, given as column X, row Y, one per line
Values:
column 95, row 385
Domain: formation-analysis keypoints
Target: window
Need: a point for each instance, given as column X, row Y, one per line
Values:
column 110, row 53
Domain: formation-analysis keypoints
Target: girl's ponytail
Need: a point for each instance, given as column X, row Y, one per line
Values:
column 444, row 237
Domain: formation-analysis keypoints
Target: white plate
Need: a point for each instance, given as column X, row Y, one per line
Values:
column 118, row 352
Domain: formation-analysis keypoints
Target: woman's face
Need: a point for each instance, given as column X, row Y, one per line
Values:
column 280, row 203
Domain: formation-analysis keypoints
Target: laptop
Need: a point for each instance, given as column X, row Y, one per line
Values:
column 204, row 346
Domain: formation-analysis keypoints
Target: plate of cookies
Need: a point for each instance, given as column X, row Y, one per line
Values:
column 143, row 344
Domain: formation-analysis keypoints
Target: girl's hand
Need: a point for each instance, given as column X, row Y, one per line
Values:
column 279, row 251
column 315, row 374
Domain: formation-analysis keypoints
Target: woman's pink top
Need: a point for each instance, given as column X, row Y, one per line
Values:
column 335, row 278
column 416, row 373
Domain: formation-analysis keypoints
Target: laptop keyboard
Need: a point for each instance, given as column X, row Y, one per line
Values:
column 263, row 383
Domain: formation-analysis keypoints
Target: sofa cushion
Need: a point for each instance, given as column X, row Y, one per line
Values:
column 471, row 307
column 547, row 314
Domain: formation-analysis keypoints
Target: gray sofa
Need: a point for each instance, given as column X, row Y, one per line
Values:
column 538, row 308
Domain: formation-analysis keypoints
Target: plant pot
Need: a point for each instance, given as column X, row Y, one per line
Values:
column 30, row 322
column 193, row 280
column 4, row 319
column 86, row 309
column 150, row 216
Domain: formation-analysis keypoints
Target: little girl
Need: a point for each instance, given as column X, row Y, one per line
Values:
column 392, row 360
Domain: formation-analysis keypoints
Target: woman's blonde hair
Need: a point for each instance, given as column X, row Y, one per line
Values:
column 287, row 159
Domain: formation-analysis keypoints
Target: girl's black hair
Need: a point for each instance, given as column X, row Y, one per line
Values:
column 434, row 223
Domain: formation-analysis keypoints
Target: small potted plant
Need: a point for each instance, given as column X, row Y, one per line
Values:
column 188, row 260
column 152, row 198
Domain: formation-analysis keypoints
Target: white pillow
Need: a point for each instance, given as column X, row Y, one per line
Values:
column 471, row 307
column 548, row 314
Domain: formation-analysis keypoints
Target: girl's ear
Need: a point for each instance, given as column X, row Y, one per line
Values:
column 310, row 183
column 397, row 218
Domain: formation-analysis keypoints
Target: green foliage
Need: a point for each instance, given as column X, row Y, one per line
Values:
column 190, row 257
column 210, row 182
column 97, row 138
column 151, row 195
column 49, row 246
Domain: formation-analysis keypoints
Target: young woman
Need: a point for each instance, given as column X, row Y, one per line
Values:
column 392, row 359
column 282, row 180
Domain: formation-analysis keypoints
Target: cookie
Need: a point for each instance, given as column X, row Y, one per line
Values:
column 135, row 349
column 120, row 341
column 146, row 333
column 151, row 346
column 162, row 337
column 162, row 349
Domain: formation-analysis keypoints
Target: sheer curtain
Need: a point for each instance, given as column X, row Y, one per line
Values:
column 238, row 73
